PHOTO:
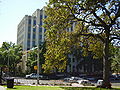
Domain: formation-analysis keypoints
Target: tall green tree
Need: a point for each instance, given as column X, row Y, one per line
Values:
column 57, row 42
column 98, row 19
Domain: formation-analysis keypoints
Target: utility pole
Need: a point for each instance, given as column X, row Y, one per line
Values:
column 38, row 62
column 38, row 57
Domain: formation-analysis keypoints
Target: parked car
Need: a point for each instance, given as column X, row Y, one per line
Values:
column 34, row 75
column 115, row 77
column 100, row 84
column 67, row 79
column 72, row 79
column 91, row 78
column 85, row 82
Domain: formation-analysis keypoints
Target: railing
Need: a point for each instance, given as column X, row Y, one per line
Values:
column 22, row 81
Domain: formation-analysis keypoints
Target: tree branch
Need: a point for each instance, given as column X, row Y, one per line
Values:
column 92, row 35
column 116, row 16
column 82, row 19
column 118, row 38
column 97, row 17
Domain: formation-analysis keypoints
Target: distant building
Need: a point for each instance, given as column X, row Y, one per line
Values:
column 78, row 64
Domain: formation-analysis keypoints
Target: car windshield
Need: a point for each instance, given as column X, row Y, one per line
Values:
column 33, row 74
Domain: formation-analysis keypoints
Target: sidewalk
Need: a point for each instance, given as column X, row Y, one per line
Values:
column 2, row 88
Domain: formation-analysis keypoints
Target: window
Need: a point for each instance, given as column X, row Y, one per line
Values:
column 33, row 43
column 69, row 60
column 40, row 36
column 28, row 43
column 29, row 21
column 41, row 22
column 73, row 68
column 70, row 66
column 72, row 28
column 45, row 16
column 28, row 35
column 34, row 36
column 34, row 29
column 29, row 28
column 40, row 16
column 44, row 30
column 40, row 30
column 34, row 22
column 73, row 59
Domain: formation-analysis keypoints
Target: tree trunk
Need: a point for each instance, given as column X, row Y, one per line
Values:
column 0, row 75
column 106, row 65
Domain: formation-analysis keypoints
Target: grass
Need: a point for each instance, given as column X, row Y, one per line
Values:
column 56, row 88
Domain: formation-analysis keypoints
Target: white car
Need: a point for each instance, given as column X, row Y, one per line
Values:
column 33, row 75
column 85, row 82
column 91, row 79
column 99, row 83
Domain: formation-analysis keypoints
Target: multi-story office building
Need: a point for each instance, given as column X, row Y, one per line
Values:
column 30, row 30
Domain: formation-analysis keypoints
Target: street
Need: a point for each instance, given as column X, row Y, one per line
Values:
column 50, row 82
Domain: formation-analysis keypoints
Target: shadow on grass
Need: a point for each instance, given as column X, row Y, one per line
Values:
column 87, row 88
column 12, row 88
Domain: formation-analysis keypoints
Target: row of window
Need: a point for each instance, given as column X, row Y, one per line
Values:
column 29, row 22
column 71, row 68
column 41, row 16
column 34, row 29
column 33, row 43
column 34, row 36
column 71, row 59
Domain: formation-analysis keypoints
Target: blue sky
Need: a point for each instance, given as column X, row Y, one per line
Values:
column 12, row 12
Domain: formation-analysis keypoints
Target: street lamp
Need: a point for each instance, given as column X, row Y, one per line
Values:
column 38, row 62
column 38, row 57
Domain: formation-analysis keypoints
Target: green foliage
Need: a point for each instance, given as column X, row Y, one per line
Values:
column 57, row 40
column 116, row 61
column 11, row 55
column 32, row 57
column 31, row 60
column 56, row 54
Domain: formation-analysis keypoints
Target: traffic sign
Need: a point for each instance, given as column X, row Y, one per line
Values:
column 35, row 67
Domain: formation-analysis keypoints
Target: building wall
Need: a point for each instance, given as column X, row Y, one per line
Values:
column 30, row 30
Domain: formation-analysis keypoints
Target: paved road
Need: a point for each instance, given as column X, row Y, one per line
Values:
column 34, row 81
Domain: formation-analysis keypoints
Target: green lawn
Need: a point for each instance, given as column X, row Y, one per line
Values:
column 56, row 88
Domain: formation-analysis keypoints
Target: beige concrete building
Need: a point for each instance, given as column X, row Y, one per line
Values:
column 30, row 32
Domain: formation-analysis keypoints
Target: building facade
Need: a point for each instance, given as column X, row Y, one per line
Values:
column 30, row 31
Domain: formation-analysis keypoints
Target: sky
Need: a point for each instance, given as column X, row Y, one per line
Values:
column 12, row 12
